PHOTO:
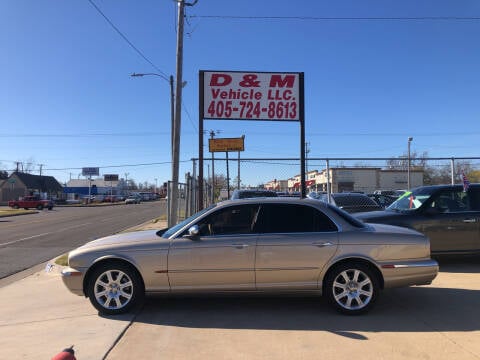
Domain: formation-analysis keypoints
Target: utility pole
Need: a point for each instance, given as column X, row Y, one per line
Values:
column 178, row 110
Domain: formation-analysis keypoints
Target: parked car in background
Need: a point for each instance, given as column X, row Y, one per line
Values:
column 296, row 194
column 133, row 199
column 447, row 214
column 395, row 193
column 263, row 244
column 349, row 202
column 29, row 202
column 383, row 200
column 252, row 193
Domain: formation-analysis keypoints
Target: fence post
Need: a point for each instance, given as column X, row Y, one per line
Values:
column 452, row 170
column 169, row 198
column 328, row 181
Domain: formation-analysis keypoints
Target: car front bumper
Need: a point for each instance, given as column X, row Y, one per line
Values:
column 73, row 280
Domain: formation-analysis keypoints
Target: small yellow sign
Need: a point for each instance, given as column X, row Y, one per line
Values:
column 226, row 144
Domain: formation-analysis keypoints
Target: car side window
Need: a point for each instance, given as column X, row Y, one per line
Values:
column 451, row 202
column 229, row 220
column 287, row 218
column 474, row 199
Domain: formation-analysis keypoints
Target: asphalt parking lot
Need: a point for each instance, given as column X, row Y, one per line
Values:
column 39, row 317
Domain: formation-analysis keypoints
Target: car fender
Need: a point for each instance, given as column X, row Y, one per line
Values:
column 340, row 258
column 106, row 258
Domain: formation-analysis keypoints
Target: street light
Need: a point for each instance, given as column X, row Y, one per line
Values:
column 172, row 211
column 408, row 164
column 172, row 103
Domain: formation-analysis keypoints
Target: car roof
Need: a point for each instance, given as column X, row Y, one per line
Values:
column 279, row 199
column 444, row 186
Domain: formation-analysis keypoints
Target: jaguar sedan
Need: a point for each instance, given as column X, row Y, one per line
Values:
column 257, row 245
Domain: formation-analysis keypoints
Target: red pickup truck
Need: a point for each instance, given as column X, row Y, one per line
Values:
column 28, row 202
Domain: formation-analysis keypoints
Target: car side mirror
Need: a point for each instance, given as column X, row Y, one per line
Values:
column 193, row 231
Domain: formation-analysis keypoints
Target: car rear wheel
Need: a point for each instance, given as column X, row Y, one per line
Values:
column 352, row 288
column 114, row 288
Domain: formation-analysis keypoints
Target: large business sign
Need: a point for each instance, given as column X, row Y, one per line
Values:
column 110, row 177
column 251, row 95
column 90, row 171
column 226, row 144
column 254, row 96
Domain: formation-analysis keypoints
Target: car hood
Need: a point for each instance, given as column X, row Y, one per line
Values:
column 371, row 216
column 120, row 240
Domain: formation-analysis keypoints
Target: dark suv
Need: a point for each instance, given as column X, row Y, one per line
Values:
column 447, row 214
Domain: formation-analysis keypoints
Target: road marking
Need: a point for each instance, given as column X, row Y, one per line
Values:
column 39, row 235
column 23, row 239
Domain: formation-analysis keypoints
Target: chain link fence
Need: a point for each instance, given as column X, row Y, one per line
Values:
column 329, row 175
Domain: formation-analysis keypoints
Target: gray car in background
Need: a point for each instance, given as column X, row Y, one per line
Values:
column 349, row 202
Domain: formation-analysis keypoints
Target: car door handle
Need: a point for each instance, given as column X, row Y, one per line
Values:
column 322, row 244
column 469, row 220
column 240, row 246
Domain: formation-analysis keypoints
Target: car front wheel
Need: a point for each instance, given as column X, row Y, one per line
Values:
column 351, row 288
column 115, row 288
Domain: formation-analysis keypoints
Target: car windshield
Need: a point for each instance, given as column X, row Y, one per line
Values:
column 410, row 200
column 177, row 227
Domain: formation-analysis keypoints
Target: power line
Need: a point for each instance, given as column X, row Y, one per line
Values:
column 126, row 39
column 341, row 18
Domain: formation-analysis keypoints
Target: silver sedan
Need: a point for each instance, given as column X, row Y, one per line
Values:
column 257, row 245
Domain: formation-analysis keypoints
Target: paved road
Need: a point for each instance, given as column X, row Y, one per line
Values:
column 29, row 240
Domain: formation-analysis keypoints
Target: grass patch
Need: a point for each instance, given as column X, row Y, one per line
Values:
column 14, row 212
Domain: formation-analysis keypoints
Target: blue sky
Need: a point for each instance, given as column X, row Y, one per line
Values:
column 67, row 100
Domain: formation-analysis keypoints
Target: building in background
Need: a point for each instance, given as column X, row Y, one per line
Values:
column 77, row 189
column 20, row 184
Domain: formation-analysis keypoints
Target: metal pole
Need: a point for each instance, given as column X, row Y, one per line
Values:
column 329, row 190
column 228, row 177
column 303, row 190
column 452, row 170
column 238, row 172
column 408, row 165
column 178, row 111
column 200, row 142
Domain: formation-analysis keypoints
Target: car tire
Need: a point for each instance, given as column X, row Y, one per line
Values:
column 351, row 288
column 115, row 288
column 39, row 207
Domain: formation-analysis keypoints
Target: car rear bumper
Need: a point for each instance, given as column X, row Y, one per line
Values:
column 73, row 280
column 407, row 273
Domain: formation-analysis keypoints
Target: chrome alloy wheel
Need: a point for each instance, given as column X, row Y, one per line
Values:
column 352, row 289
column 113, row 289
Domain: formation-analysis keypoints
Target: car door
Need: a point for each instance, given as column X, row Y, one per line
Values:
column 294, row 243
column 453, row 221
column 221, row 257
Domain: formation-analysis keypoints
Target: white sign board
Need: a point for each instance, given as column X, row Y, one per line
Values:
column 251, row 96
